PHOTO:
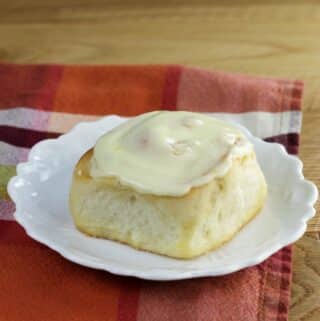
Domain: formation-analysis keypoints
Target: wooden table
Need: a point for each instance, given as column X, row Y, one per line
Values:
column 254, row 37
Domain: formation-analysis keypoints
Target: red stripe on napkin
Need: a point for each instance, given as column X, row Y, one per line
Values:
column 170, row 91
column 29, row 85
column 129, row 299
column 23, row 137
column 290, row 141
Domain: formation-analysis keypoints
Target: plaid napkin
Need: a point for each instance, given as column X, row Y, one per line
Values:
column 43, row 101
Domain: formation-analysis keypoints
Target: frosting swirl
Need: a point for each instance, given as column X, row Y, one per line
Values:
column 168, row 153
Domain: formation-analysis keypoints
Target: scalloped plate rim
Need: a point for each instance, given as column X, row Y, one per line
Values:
column 160, row 274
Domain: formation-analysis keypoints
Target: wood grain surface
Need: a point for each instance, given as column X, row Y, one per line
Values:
column 270, row 38
column 305, row 296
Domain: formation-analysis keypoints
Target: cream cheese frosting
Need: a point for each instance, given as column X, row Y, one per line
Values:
column 168, row 153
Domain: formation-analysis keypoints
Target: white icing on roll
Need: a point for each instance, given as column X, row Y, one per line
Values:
column 168, row 153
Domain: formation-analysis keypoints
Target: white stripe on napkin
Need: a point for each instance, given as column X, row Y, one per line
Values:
column 262, row 124
column 7, row 209
column 42, row 120
column 11, row 155
column 265, row 124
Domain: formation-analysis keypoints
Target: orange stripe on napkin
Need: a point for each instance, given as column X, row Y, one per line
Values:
column 38, row 284
column 96, row 90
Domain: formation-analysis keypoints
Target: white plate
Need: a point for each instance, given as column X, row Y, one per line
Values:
column 41, row 188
